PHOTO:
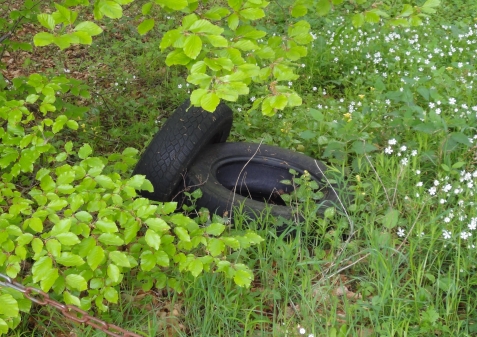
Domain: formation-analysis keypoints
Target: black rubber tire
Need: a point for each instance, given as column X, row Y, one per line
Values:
column 256, row 170
column 175, row 146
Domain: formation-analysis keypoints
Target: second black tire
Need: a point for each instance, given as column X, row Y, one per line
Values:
column 175, row 146
column 232, row 174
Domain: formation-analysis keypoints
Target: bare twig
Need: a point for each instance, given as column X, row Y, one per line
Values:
column 6, row 36
column 14, row 28
column 351, row 224
column 240, row 173
column 186, row 188
column 345, row 267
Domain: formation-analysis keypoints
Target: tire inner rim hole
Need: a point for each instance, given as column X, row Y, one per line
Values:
column 256, row 181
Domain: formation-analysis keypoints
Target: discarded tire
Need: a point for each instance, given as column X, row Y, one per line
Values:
column 232, row 174
column 176, row 145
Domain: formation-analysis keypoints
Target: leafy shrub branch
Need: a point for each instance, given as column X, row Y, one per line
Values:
column 72, row 223
column 222, row 44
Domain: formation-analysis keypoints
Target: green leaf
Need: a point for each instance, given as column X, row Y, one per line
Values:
column 253, row 238
column 323, row 7
column 35, row 223
column 199, row 79
column 204, row 26
column 458, row 165
column 398, row 22
column 252, row 13
column 63, row 41
column 231, row 242
column 8, row 306
column 299, row 10
column 430, row 315
column 53, row 247
column 243, row 278
column 71, row 299
column 424, row 92
column 113, row 272
column 267, row 109
column 461, row 138
column 145, row 26
column 245, row 45
column 105, row 181
column 233, row 21
column 177, row 57
column 169, row 38
column 294, row 100
column 162, row 259
column 31, row 98
column 215, row 246
column 371, row 17
column 37, row 245
column 120, row 259
column 146, row 8
column 429, row 6
column 215, row 229
column 217, row 41
column 157, row 224
column 197, row 95
column 46, row 20
column 110, row 239
column 69, row 259
column 180, row 219
column 188, row 20
column 182, row 234
column 148, row 261
column 41, row 268
column 76, row 281
column 3, row 326
column 217, row 13
column 210, row 101
column 235, row 4
column 199, row 67
column 89, row 27
column 358, row 19
column 95, row 257
column 43, row 39
column 57, row 205
column 195, row 267
column 50, row 280
column 391, row 218
column 85, row 151
column 284, row 73
column 407, row 10
column 192, row 46
column 279, row 102
column 153, row 239
column 415, row 20
column 173, row 4
column 84, row 216
column 106, row 226
column 110, row 8
column 64, row 15
column 111, row 294
column 68, row 239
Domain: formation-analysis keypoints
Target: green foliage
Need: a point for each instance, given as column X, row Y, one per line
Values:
column 227, row 58
column 78, row 217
